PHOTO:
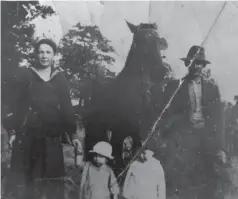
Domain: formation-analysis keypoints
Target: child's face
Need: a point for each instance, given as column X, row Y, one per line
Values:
column 100, row 160
column 142, row 157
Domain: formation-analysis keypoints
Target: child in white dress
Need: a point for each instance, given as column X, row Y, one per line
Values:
column 145, row 179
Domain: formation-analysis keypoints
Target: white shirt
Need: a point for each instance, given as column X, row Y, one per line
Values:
column 195, row 92
column 145, row 180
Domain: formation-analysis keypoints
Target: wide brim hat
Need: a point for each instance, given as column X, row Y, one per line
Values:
column 196, row 53
column 104, row 149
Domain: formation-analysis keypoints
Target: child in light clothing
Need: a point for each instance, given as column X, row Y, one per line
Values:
column 145, row 179
column 98, row 180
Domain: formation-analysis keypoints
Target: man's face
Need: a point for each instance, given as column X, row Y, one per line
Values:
column 45, row 55
column 197, row 67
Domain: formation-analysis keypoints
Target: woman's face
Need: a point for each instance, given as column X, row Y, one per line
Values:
column 45, row 55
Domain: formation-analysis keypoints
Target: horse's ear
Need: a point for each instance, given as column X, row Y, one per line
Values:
column 132, row 27
column 163, row 44
column 155, row 26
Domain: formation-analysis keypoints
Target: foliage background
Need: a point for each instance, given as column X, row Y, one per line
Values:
column 84, row 52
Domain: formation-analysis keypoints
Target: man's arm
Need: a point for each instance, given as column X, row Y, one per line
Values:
column 215, row 120
column 218, row 123
column 219, row 128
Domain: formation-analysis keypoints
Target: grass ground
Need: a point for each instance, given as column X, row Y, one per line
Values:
column 72, row 180
column 74, row 174
column 233, row 173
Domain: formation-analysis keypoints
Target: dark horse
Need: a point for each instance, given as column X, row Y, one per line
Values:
column 125, row 104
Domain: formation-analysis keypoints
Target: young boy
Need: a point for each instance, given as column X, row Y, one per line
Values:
column 145, row 179
column 98, row 180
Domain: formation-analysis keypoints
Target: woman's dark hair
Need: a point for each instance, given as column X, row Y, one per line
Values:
column 49, row 42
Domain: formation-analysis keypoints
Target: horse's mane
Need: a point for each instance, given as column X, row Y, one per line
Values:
column 141, row 67
column 135, row 55
column 143, row 26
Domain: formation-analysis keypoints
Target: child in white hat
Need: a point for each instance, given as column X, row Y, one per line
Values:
column 145, row 178
column 98, row 180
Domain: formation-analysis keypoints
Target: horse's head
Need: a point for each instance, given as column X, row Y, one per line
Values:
column 146, row 47
column 146, row 38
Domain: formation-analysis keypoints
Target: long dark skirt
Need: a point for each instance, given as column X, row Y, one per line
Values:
column 37, row 169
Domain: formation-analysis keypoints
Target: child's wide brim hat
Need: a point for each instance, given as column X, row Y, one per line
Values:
column 104, row 149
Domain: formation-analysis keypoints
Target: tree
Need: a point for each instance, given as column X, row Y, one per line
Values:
column 85, row 56
column 17, row 31
column 16, row 46
column 16, row 38
column 236, row 99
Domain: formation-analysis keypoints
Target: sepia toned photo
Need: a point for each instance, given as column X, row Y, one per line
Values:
column 119, row 99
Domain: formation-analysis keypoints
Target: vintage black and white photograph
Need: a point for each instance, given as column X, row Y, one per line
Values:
column 119, row 99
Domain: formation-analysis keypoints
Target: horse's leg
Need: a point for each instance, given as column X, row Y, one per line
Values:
column 86, row 144
column 89, row 139
column 117, row 153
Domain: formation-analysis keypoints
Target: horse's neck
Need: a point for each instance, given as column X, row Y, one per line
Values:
column 134, row 80
column 138, row 67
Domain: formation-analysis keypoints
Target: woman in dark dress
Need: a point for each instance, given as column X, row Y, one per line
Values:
column 42, row 113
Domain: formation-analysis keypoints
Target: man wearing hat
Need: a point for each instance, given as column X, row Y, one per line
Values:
column 193, row 128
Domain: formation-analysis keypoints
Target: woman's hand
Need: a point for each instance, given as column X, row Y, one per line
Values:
column 222, row 156
column 76, row 143
column 11, row 140
column 78, row 152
